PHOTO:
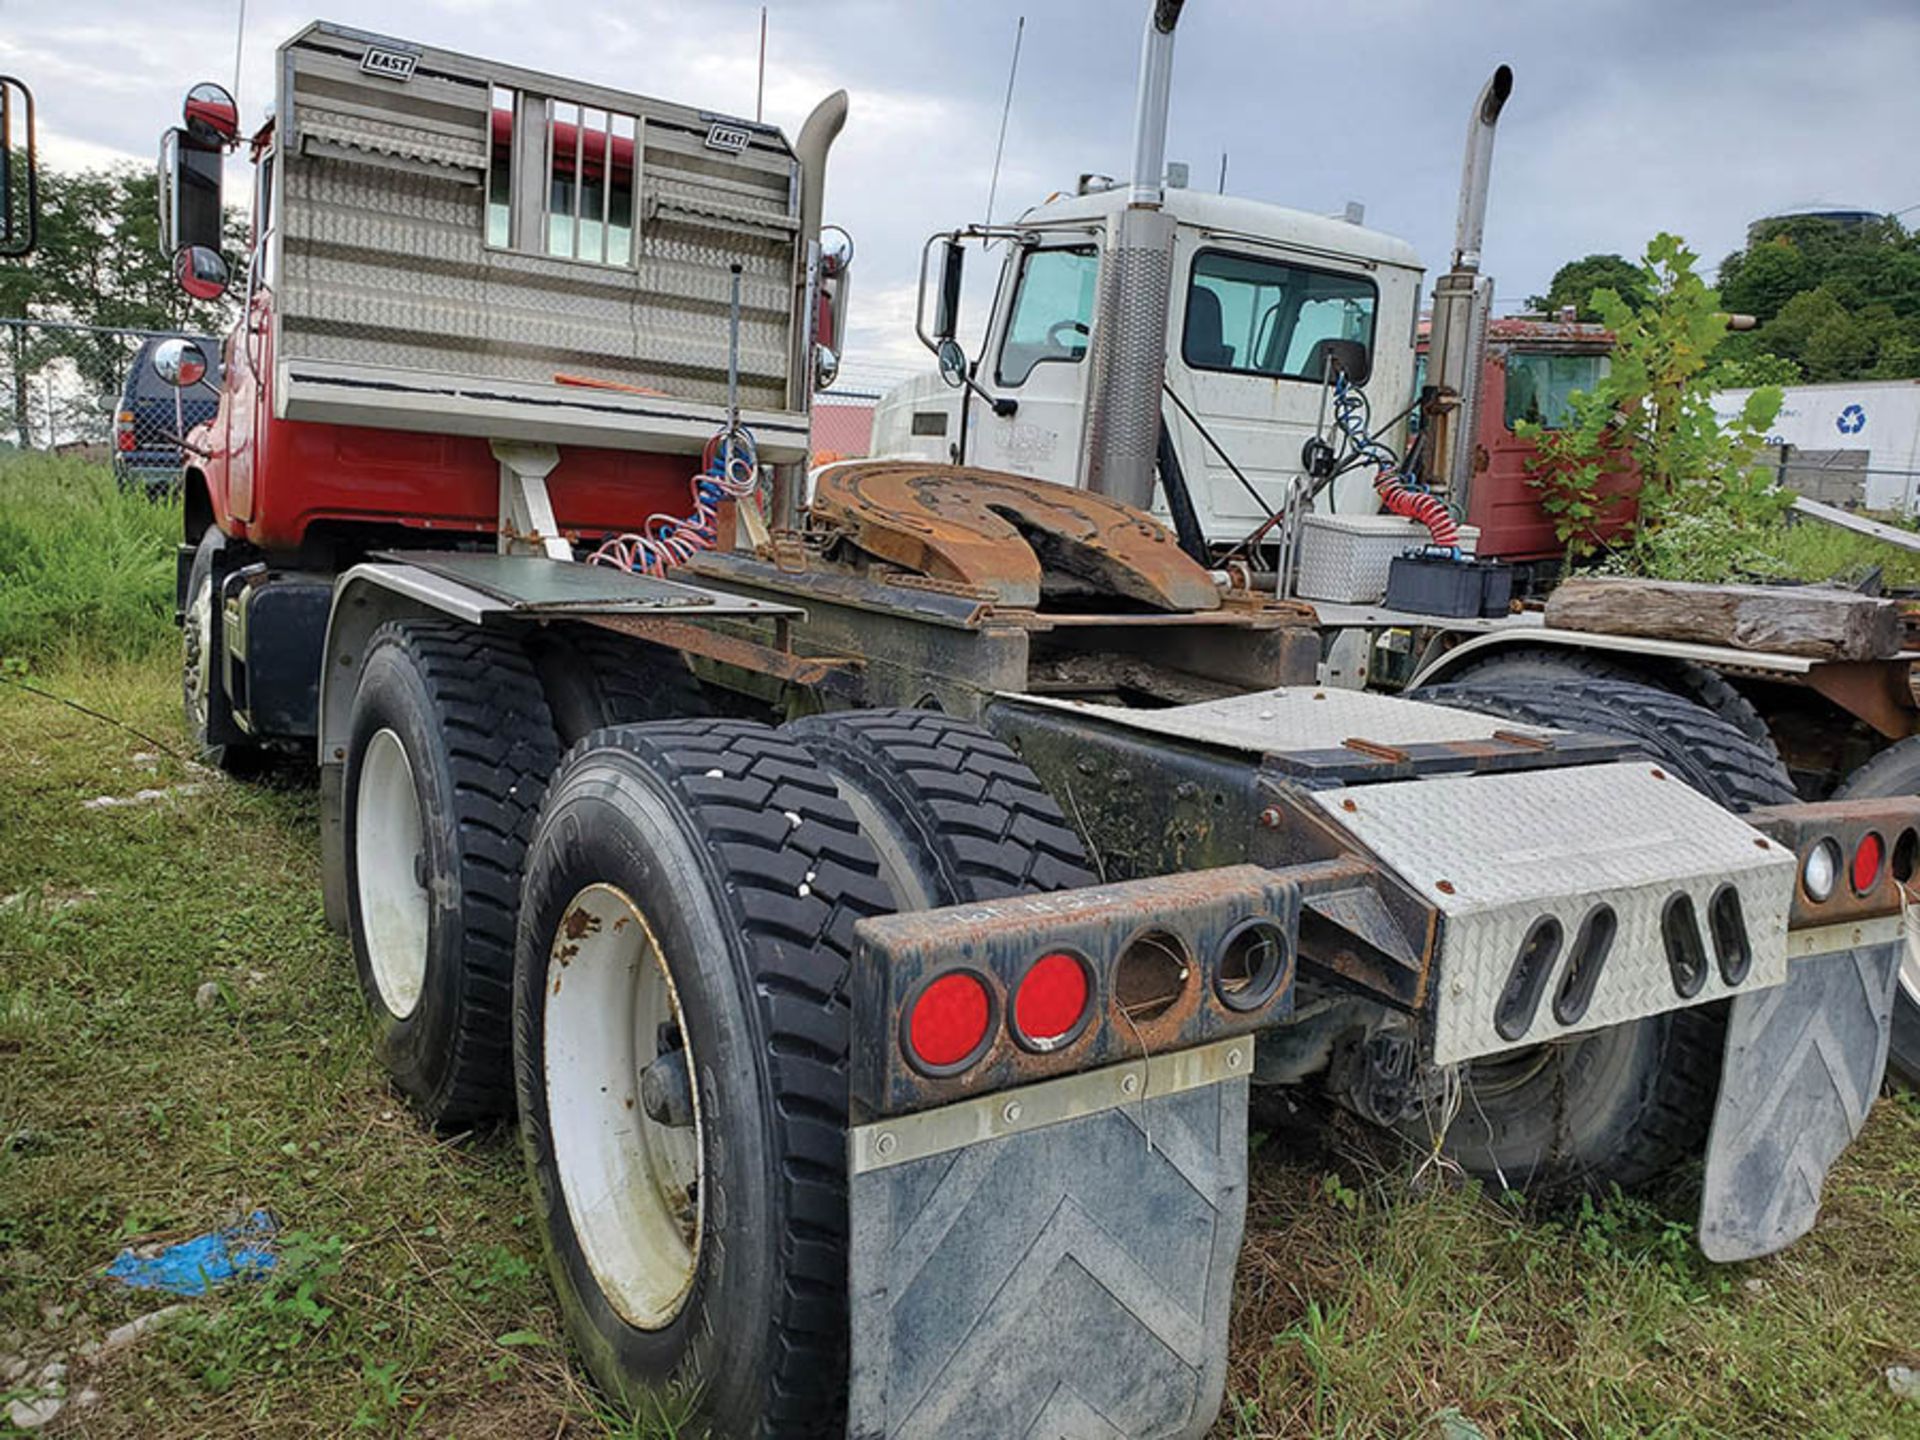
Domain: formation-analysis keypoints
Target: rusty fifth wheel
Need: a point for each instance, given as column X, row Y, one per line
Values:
column 448, row 752
column 680, row 1047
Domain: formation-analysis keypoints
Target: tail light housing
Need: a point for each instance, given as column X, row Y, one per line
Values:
column 1820, row 871
column 1868, row 856
column 1053, row 1002
column 123, row 430
column 948, row 1023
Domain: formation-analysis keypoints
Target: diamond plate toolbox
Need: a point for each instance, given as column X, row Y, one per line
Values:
column 1502, row 855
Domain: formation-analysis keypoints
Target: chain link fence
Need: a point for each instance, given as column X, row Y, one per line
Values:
column 89, row 390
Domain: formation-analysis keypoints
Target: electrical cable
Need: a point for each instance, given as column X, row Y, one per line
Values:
column 730, row 470
column 1398, row 491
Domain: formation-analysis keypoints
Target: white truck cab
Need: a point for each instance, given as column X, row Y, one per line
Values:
column 1255, row 292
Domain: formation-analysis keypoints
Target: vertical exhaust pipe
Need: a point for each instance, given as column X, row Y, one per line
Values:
column 1477, row 171
column 817, row 134
column 1461, row 300
column 1130, row 333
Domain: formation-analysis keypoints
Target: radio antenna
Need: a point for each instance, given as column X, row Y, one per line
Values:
column 760, row 85
column 239, row 44
column 1000, row 146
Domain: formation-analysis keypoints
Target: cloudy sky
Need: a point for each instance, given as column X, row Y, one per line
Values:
column 1628, row 116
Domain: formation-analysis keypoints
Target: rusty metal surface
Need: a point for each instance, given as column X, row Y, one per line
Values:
column 727, row 649
column 1149, row 805
column 1880, row 692
column 1895, row 819
column 1186, row 918
column 1017, row 537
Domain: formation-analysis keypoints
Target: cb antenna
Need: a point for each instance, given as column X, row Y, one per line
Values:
column 1006, row 108
column 760, row 85
column 239, row 44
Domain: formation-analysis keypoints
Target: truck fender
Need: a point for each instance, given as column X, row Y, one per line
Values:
column 1625, row 648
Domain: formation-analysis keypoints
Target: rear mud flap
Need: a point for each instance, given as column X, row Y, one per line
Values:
column 1068, row 1275
column 1803, row 1064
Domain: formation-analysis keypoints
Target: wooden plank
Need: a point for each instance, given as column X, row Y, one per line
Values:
column 1859, row 524
column 1798, row 620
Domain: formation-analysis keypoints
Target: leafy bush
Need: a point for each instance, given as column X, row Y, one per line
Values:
column 1656, row 405
column 84, row 568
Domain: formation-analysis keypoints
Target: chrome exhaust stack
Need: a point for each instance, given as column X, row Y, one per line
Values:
column 1461, row 300
column 1130, row 332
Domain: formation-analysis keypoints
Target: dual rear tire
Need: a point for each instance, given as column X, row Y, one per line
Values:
column 454, row 733
column 725, row 864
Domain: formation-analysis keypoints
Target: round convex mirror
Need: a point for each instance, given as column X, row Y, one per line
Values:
column 210, row 115
column 201, row 271
column 180, row 362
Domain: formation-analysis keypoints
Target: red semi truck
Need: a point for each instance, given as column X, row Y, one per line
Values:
column 869, row 908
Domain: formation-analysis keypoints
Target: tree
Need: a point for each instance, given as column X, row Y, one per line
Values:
column 1655, row 403
column 1574, row 283
column 98, row 263
column 1840, row 301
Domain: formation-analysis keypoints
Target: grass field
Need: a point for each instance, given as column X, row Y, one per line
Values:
column 181, row 1042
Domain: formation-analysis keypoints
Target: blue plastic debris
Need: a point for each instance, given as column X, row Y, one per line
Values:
column 195, row 1266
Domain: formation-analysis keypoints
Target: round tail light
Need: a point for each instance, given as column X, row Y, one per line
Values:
column 1050, row 1007
column 1820, row 870
column 947, row 1025
column 1867, row 858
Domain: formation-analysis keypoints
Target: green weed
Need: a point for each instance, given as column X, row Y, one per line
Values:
column 85, row 570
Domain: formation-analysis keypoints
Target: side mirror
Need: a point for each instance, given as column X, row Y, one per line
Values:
column 19, row 171
column 201, row 271
column 826, row 366
column 1344, row 357
column 946, row 315
column 210, row 115
column 180, row 362
column 953, row 362
column 190, row 182
column 836, row 252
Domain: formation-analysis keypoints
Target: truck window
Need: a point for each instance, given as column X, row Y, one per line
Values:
column 1052, row 311
column 1539, row 385
column 586, row 191
column 1251, row 316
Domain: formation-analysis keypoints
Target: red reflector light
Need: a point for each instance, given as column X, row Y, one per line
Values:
column 949, row 1020
column 1866, row 863
column 1051, row 1001
column 124, row 439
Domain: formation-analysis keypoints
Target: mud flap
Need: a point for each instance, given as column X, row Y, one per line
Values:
column 1054, row 1261
column 1803, row 1064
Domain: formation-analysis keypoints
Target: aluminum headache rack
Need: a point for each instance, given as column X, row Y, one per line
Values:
column 457, row 235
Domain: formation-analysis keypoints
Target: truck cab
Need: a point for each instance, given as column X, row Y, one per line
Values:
column 1254, row 293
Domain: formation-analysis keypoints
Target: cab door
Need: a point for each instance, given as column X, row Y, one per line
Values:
column 250, row 354
column 1036, row 356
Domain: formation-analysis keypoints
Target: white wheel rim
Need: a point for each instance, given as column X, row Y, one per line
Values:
column 388, row 855
column 631, row 1184
column 197, row 639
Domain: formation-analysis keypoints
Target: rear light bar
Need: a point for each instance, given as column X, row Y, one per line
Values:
column 984, row 996
column 1854, row 856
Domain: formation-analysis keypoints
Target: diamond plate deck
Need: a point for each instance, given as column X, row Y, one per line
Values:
column 1494, row 853
column 1303, row 717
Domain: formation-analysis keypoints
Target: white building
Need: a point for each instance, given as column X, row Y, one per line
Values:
column 1866, row 430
